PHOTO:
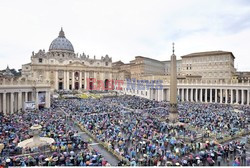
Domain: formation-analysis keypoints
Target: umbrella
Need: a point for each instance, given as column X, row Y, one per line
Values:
column 55, row 159
column 141, row 159
column 202, row 152
column 54, row 154
column 41, row 157
column 169, row 163
column 62, row 158
column 17, row 159
column 65, row 153
column 172, row 141
column 72, row 153
column 236, row 163
column 209, row 159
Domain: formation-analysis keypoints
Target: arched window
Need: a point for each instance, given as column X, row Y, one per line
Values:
column 40, row 60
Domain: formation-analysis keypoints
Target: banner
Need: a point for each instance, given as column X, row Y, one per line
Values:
column 30, row 105
column 41, row 98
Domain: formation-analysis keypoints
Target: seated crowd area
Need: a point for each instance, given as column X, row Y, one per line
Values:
column 135, row 128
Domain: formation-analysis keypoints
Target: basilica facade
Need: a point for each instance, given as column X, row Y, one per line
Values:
column 66, row 70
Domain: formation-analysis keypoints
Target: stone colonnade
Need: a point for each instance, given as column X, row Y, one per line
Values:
column 12, row 100
column 77, row 79
column 215, row 95
column 218, row 94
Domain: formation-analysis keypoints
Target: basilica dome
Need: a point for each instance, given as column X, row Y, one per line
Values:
column 61, row 43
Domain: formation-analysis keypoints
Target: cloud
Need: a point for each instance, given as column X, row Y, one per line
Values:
column 124, row 29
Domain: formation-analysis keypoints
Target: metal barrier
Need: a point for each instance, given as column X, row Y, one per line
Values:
column 105, row 145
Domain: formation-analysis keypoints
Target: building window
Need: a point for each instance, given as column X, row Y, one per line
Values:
column 106, row 63
column 40, row 60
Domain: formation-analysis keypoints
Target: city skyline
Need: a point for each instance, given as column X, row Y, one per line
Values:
column 125, row 29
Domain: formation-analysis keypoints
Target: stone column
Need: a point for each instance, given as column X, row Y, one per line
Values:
column 196, row 94
column 248, row 97
column 237, row 95
column 4, row 104
column 226, row 96
column 20, row 101
column 232, row 96
column 211, row 95
column 162, row 94
column 65, row 80
column 7, row 103
column 1, row 103
column 179, row 93
column 159, row 95
column 47, row 75
column 153, row 93
column 242, row 97
column 187, row 95
column 56, row 80
column 156, row 94
column 201, row 95
column 26, row 96
column 16, row 102
column 47, row 101
column 216, row 94
column 85, row 81
column 221, row 94
column 192, row 95
column 73, row 80
column 206, row 95
column 80, row 80
column 150, row 94
column 11, row 103
column 36, row 100
column 182, row 94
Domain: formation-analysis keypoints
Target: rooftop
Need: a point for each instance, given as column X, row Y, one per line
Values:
column 208, row 53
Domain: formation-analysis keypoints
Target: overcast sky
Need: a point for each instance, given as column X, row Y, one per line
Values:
column 124, row 29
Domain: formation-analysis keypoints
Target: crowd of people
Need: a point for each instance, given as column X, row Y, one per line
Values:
column 135, row 128
column 216, row 118
column 129, row 126
column 68, row 149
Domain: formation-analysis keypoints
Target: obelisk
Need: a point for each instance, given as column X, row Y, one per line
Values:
column 173, row 115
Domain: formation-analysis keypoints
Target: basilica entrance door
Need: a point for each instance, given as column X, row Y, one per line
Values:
column 76, row 85
column 106, row 84
column 60, row 87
